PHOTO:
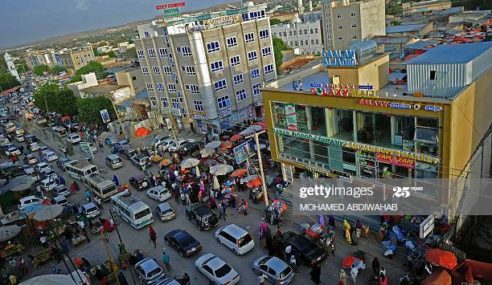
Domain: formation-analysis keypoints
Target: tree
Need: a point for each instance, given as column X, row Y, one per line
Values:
column 111, row 54
column 51, row 97
column 89, row 108
column 274, row 21
column 55, row 70
column 278, row 47
column 92, row 66
column 394, row 8
column 39, row 70
column 7, row 80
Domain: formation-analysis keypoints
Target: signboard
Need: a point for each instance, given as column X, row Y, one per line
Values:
column 343, row 90
column 242, row 152
column 222, row 21
column 171, row 10
column 224, row 112
column 395, row 160
column 198, row 115
column 291, row 117
column 399, row 105
column 85, row 147
column 105, row 116
column 426, row 227
column 340, row 58
column 287, row 173
column 170, row 5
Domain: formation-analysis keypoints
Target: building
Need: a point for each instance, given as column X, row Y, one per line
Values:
column 45, row 57
column 418, row 30
column 424, row 7
column 345, row 122
column 306, row 36
column 75, row 58
column 11, row 66
column 474, row 18
column 88, row 80
column 132, row 77
column 344, row 21
column 208, row 68
column 395, row 44
column 117, row 93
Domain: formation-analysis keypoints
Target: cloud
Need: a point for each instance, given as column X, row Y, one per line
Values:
column 82, row 5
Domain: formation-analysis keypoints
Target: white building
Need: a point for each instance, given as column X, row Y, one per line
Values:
column 88, row 80
column 11, row 66
column 307, row 36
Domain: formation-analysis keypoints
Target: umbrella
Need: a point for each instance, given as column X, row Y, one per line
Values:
column 9, row 232
column 263, row 125
column 279, row 205
column 142, row 132
column 445, row 259
column 213, row 145
column 211, row 162
column 165, row 162
column 47, row 213
column 254, row 183
column 221, row 169
column 239, row 172
column 226, row 145
column 207, row 152
column 55, row 279
column 216, row 183
column 189, row 162
column 248, row 178
column 235, row 138
column 250, row 130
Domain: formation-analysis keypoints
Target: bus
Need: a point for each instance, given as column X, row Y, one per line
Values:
column 133, row 211
column 100, row 186
column 80, row 169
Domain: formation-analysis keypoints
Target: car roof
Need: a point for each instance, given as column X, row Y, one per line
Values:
column 159, row 188
column 276, row 263
column 28, row 198
column 181, row 234
column 89, row 205
column 164, row 206
column 113, row 156
column 234, row 230
column 215, row 263
column 147, row 264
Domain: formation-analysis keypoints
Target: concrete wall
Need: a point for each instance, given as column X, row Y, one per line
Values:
column 373, row 15
column 132, row 78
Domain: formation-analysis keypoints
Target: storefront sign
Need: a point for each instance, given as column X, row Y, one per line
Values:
column 359, row 146
column 170, row 5
column 222, row 21
column 340, row 57
column 399, row 105
column 395, row 160
column 224, row 112
column 291, row 117
column 198, row 115
column 242, row 152
column 342, row 90
column 432, row 108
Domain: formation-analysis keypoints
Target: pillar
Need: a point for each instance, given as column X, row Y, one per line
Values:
column 309, row 120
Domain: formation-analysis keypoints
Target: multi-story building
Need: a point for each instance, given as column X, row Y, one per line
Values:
column 75, row 58
column 422, row 7
column 11, row 65
column 208, row 68
column 344, row 21
column 306, row 36
column 45, row 57
column 131, row 77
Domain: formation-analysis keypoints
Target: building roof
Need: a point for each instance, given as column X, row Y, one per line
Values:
column 423, row 44
column 102, row 89
column 457, row 53
column 406, row 28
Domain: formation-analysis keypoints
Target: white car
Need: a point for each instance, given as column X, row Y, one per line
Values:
column 40, row 167
column 29, row 202
column 158, row 193
column 216, row 270
column 235, row 238
column 73, row 138
column 12, row 150
column 50, row 156
column 34, row 146
column 19, row 138
column 48, row 184
column 173, row 147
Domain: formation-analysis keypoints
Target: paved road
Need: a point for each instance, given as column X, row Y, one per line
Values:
column 95, row 251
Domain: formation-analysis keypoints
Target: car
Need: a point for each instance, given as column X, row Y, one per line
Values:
column 41, row 121
column 30, row 159
column 310, row 253
column 90, row 210
column 216, row 270
column 164, row 144
column 61, row 189
column 62, row 162
column 274, row 268
column 201, row 215
column 235, row 238
column 140, row 161
column 173, row 147
column 189, row 147
column 12, row 150
column 73, row 138
column 139, row 182
column 183, row 242
column 158, row 140
column 91, row 147
column 122, row 143
column 114, row 161
column 165, row 212
column 41, row 166
column 48, row 184
column 19, row 138
column 148, row 270
column 11, row 170
column 29, row 203
column 159, row 193
column 42, row 148
column 50, row 156
column 31, row 139
column 164, row 280
column 34, row 146
column 127, row 152
column 110, row 141
column 60, row 200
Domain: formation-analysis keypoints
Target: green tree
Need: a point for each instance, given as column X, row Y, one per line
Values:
column 40, row 69
column 61, row 100
column 92, row 66
column 3, row 65
column 274, row 21
column 88, row 109
column 393, row 7
column 278, row 47
column 57, row 69
column 7, row 80
column 111, row 54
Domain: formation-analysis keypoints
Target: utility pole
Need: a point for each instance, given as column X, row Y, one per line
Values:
column 110, row 258
column 260, row 162
column 47, row 111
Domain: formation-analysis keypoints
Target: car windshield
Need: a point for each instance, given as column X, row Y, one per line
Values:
column 154, row 272
column 108, row 189
column 223, row 271
column 142, row 214
column 244, row 240
column 286, row 272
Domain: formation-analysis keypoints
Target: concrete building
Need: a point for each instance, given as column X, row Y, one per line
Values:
column 306, row 36
column 44, row 57
column 75, row 58
column 11, row 66
column 88, row 80
column 395, row 44
column 418, row 30
column 132, row 77
column 208, row 68
column 344, row 21
column 471, row 17
column 424, row 7
column 117, row 93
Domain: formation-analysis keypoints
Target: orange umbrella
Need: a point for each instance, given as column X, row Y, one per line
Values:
column 445, row 259
column 142, row 132
column 235, row 138
column 239, row 172
column 254, row 183
column 226, row 145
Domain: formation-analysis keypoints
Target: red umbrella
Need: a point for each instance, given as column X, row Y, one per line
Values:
column 254, row 183
column 239, row 172
column 445, row 259
column 226, row 145
column 142, row 132
column 261, row 124
column 235, row 138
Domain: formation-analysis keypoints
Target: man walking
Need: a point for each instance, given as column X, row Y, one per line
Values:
column 153, row 236
column 166, row 260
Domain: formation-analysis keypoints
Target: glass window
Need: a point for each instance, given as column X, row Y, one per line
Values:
column 224, row 102
column 264, row 34
column 235, row 60
column 238, row 79
column 373, row 128
column 269, row 68
column 220, row 84
column 231, row 42
column 266, row 51
column 250, row 37
column 198, row 105
column 252, row 55
column 341, row 125
column 255, row 73
column 213, row 47
column 217, row 66
column 241, row 95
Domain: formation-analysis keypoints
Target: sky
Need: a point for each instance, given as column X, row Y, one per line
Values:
column 25, row 21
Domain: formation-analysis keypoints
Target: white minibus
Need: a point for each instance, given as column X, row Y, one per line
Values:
column 133, row 211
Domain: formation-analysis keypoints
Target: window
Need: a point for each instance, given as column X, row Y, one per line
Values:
column 159, row 86
column 340, row 27
column 241, row 95
column 164, row 102
column 166, row 69
column 311, row 31
column 339, row 16
column 317, row 41
column 238, row 79
column 156, row 70
column 432, row 75
column 184, row 50
column 235, row 60
column 193, row 88
column 198, row 105
column 150, row 87
column 312, row 42
column 145, row 70
column 255, row 73
column 249, row 37
column 354, row 37
column 352, row 14
column 224, row 102
column 266, row 51
column 216, row 66
column 354, row 26
column 340, row 38
column 153, row 101
column 151, row 52
column 315, row 30
column 190, row 70
column 268, row 68
column 231, row 42
column 146, row 34
column 256, row 89
column 300, row 32
column 252, row 55
column 162, row 52
column 140, row 54
column 264, row 34
column 220, row 84
column 213, row 47
column 175, row 103
column 290, row 33
column 171, row 88
column 175, row 78
column 305, row 31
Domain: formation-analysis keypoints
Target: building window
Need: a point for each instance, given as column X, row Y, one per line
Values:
column 264, row 34
column 257, row 89
column 249, row 37
column 171, row 88
column 150, row 87
column 159, row 87
column 315, row 30
column 190, row 70
column 213, row 47
column 432, row 75
column 162, row 52
column 145, row 70
column 224, row 102
column 255, row 73
column 306, row 42
column 235, row 60
column 241, row 95
column 198, row 105
column 153, row 101
column 300, row 32
column 217, row 66
column 238, row 79
column 166, row 69
column 146, row 35
column 317, row 41
column 312, row 42
column 184, row 50
column 340, row 27
column 354, row 37
column 140, row 54
column 266, row 51
column 220, row 84
column 164, row 102
column 252, row 55
column 151, row 52
column 175, row 103
column 339, row 16
column 340, row 38
column 156, row 70
column 193, row 88
column 268, row 68
column 231, row 42
column 354, row 26
column 290, row 33
column 311, row 31
column 352, row 14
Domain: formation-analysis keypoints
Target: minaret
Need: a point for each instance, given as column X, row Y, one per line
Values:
column 11, row 66
column 300, row 7
column 310, row 6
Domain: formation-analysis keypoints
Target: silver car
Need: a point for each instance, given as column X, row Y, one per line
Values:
column 165, row 212
column 148, row 270
column 217, row 270
column 274, row 268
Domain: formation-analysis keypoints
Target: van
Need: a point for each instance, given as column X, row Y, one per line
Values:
column 235, row 238
column 80, row 169
column 134, row 212
column 100, row 186
column 114, row 161
column 60, row 131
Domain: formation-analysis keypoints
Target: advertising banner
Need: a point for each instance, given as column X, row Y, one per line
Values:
column 395, row 160
column 291, row 117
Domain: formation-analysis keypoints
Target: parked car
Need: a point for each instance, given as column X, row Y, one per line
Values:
column 216, row 270
column 148, row 270
column 140, row 161
column 90, row 210
column 114, row 161
column 48, row 184
column 40, row 167
column 235, row 238
column 60, row 200
column 31, row 139
column 62, row 162
column 274, row 268
column 30, row 159
column 19, row 138
column 61, row 189
column 110, row 141
column 183, row 242
column 189, row 147
column 11, row 170
column 139, row 182
column 73, row 138
column 41, row 121
column 34, row 146
column 28, row 203
column 165, row 212
column 311, row 254
column 158, row 193
column 127, row 152
column 201, row 215
column 173, row 147
column 50, row 156
column 12, row 150
column 158, row 140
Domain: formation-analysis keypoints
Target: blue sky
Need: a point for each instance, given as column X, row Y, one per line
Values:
column 25, row 21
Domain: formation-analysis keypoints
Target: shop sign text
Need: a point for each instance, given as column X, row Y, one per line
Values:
column 341, row 90
column 291, row 117
column 170, row 5
column 395, row 160
column 399, row 105
column 221, row 21
column 340, row 57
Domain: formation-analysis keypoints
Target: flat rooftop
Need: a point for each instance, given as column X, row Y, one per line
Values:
column 447, row 54
column 406, row 28
column 102, row 89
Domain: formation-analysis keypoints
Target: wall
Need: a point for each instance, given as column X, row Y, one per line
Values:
column 373, row 15
column 450, row 79
column 375, row 73
column 132, row 78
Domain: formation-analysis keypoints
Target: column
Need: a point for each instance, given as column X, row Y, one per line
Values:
column 309, row 120
column 393, row 129
column 354, row 123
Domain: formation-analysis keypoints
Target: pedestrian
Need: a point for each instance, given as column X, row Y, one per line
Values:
column 85, row 234
column 116, row 180
column 342, row 280
column 166, row 260
column 122, row 278
column 316, row 274
column 261, row 279
column 375, row 266
column 12, row 279
column 23, row 265
column 223, row 205
column 293, row 263
column 43, row 240
column 183, row 197
column 358, row 229
column 353, row 273
column 88, row 195
column 153, row 236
